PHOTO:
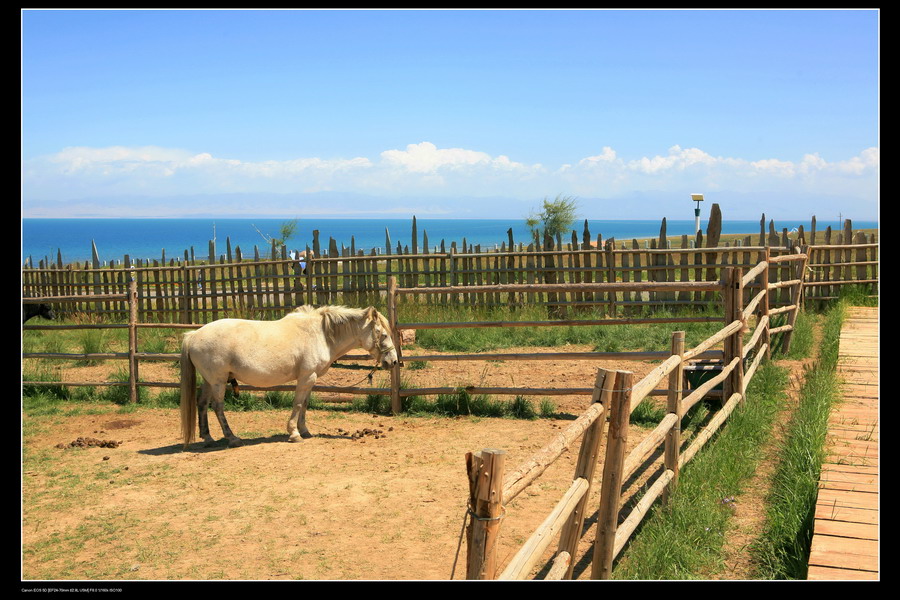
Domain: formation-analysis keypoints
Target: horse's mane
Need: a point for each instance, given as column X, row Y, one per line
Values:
column 334, row 317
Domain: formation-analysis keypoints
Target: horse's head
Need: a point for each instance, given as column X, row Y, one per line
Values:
column 380, row 344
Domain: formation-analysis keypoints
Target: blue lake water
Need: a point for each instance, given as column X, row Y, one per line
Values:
column 146, row 238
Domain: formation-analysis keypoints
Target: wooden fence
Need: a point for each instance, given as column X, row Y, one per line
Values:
column 392, row 299
column 130, row 299
column 614, row 398
column 191, row 290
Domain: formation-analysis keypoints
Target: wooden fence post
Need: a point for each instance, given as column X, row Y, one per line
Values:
column 613, row 466
column 764, row 306
column 485, row 512
column 588, row 458
column 733, row 346
column 611, row 275
column 796, row 299
column 132, row 338
column 396, row 404
column 673, row 405
column 308, row 274
column 185, row 294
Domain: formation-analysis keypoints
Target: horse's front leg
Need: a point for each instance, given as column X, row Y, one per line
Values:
column 296, row 425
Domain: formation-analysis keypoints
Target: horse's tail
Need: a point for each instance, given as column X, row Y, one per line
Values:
column 188, row 392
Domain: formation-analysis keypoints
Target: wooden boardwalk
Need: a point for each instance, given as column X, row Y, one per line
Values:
column 845, row 536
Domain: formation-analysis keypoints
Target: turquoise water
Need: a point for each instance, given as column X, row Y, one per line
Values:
column 146, row 238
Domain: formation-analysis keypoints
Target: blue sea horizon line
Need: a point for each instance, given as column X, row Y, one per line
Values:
column 146, row 238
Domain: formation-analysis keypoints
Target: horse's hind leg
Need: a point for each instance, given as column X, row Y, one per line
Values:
column 218, row 399
column 203, row 413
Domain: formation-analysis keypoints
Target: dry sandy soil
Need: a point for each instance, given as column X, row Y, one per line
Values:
column 333, row 507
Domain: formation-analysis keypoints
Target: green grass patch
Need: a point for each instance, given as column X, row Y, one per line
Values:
column 684, row 539
column 803, row 339
column 782, row 551
column 603, row 338
column 857, row 295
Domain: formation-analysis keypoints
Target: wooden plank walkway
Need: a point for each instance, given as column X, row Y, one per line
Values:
column 845, row 536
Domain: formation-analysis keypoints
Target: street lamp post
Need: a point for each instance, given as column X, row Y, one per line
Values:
column 698, row 198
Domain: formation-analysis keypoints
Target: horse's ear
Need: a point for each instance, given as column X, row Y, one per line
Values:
column 371, row 313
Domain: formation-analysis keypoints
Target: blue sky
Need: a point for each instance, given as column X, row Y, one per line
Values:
column 449, row 113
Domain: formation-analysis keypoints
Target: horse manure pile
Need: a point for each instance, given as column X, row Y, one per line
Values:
column 359, row 434
column 89, row 442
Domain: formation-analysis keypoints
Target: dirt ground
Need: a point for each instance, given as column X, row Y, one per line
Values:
column 347, row 504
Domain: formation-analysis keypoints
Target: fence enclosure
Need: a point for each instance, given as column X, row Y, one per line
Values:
column 614, row 397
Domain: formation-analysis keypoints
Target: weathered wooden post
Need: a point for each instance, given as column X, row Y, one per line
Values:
column 733, row 297
column 673, row 405
column 862, row 257
column 713, row 234
column 554, row 310
column 396, row 404
column 764, row 306
column 316, row 269
column 613, row 467
column 796, row 299
column 184, row 298
column 96, row 289
column 211, row 289
column 451, row 261
column 611, row 274
column 308, row 274
column 588, row 458
column 485, row 470
column 132, row 338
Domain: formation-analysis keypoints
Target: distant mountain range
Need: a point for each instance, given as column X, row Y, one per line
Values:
column 638, row 205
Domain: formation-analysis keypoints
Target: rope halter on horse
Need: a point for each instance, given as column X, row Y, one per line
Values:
column 381, row 350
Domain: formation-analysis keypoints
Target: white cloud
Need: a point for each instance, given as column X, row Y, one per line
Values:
column 422, row 169
column 608, row 155
column 773, row 166
column 425, row 157
column 677, row 158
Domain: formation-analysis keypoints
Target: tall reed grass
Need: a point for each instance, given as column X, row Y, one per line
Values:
column 684, row 540
column 782, row 551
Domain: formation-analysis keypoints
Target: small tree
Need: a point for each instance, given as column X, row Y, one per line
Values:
column 286, row 231
column 557, row 216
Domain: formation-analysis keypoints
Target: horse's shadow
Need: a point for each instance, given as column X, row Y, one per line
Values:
column 222, row 444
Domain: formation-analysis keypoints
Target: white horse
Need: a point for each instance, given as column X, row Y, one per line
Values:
column 299, row 347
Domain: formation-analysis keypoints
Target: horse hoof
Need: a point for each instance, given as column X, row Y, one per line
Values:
column 235, row 443
column 295, row 438
column 306, row 435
